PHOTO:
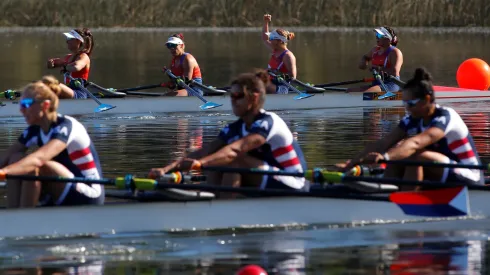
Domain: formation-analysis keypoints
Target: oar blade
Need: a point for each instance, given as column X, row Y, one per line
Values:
column 445, row 202
column 302, row 96
column 103, row 108
column 387, row 95
column 210, row 105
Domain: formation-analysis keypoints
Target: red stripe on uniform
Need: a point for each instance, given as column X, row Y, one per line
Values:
column 466, row 155
column 291, row 162
column 455, row 144
column 80, row 153
column 283, row 150
column 86, row 165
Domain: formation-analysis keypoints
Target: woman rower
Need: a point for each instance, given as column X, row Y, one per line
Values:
column 258, row 139
column 183, row 65
column 80, row 43
column 428, row 133
column 65, row 150
column 386, row 58
column 282, row 60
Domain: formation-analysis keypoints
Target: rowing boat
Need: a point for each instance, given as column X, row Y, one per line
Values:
column 162, row 104
column 119, row 218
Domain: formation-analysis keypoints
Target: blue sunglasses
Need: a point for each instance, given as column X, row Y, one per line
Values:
column 411, row 103
column 171, row 46
column 26, row 102
column 379, row 36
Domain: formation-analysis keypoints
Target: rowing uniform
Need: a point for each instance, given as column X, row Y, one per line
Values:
column 280, row 152
column 276, row 64
column 79, row 157
column 457, row 144
column 81, row 75
column 178, row 70
column 379, row 59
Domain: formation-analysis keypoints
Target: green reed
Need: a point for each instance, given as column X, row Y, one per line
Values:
column 243, row 13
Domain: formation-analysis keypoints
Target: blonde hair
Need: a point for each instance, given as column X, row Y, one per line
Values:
column 285, row 33
column 48, row 88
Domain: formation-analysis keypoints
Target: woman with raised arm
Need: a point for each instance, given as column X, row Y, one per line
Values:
column 282, row 60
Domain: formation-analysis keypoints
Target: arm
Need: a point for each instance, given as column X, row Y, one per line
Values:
column 396, row 58
column 66, row 92
column 36, row 159
column 232, row 151
column 379, row 146
column 363, row 64
column 55, row 63
column 189, row 64
column 82, row 61
column 17, row 147
column 214, row 146
column 413, row 144
column 290, row 63
column 265, row 31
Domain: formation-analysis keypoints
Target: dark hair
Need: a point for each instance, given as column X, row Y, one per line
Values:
column 178, row 35
column 251, row 83
column 421, row 84
column 88, row 40
column 394, row 39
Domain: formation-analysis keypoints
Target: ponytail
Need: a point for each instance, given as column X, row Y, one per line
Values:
column 88, row 40
column 421, row 84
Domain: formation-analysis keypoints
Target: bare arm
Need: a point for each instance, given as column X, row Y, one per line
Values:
column 66, row 92
column 290, row 63
column 232, row 151
column 265, row 31
column 214, row 146
column 363, row 64
column 381, row 145
column 82, row 61
column 17, row 147
column 37, row 159
column 189, row 64
column 396, row 58
column 418, row 142
column 55, row 63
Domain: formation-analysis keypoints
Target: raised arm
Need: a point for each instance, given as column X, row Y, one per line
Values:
column 265, row 30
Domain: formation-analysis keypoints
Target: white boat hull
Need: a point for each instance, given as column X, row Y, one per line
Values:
column 148, row 105
column 217, row 214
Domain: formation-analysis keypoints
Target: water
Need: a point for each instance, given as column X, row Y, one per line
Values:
column 135, row 143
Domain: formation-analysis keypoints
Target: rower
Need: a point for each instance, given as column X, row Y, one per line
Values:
column 428, row 133
column 386, row 58
column 80, row 43
column 65, row 150
column 183, row 65
column 258, row 139
column 282, row 60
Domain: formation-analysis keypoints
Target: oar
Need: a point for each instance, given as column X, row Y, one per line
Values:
column 138, row 88
column 308, row 86
column 344, row 82
column 210, row 89
column 102, row 107
column 124, row 92
column 207, row 104
column 485, row 167
column 281, row 80
column 383, row 86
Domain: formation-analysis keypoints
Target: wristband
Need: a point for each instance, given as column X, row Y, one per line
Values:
column 196, row 165
column 385, row 156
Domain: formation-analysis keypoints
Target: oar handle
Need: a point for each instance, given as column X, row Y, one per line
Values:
column 485, row 167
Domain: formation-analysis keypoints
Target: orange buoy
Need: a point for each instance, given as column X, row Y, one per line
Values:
column 473, row 73
column 252, row 270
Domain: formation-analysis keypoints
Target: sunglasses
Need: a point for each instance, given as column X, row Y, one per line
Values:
column 26, row 103
column 411, row 103
column 171, row 46
column 238, row 95
column 379, row 36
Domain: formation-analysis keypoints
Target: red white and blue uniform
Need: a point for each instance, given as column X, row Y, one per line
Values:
column 79, row 156
column 280, row 152
column 457, row 144
column 276, row 64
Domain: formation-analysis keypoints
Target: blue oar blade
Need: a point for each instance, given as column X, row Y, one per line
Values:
column 302, row 96
column 209, row 105
column 104, row 107
column 387, row 95
column 445, row 202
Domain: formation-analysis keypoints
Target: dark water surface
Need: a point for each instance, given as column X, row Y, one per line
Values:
column 134, row 144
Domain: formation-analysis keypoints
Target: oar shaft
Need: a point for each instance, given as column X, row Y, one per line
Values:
column 141, row 88
column 437, row 164
column 345, row 82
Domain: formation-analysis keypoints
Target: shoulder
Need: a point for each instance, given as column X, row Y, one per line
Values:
column 289, row 54
column 396, row 52
column 190, row 58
